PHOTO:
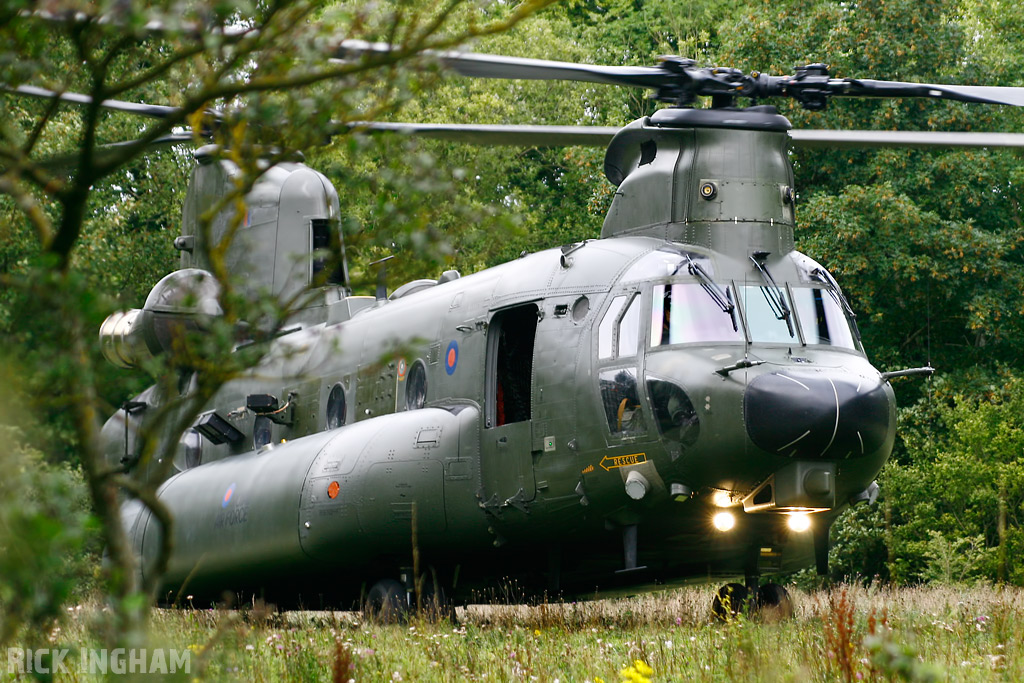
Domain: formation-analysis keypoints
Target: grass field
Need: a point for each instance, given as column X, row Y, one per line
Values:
column 846, row 634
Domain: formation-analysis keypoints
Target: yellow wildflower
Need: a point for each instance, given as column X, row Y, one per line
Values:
column 632, row 675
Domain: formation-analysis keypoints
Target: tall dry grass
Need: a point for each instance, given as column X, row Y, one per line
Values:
column 850, row 633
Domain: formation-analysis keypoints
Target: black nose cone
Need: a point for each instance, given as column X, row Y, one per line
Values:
column 816, row 415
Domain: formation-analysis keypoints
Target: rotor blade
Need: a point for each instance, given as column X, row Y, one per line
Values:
column 102, row 152
column 156, row 111
column 496, row 66
column 860, row 139
column 526, row 136
column 962, row 93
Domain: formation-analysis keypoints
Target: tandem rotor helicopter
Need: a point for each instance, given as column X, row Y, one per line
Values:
column 685, row 397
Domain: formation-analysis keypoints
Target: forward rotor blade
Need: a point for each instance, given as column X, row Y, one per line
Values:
column 496, row 66
column 156, row 111
column 600, row 136
column 861, row 139
column 526, row 136
column 962, row 93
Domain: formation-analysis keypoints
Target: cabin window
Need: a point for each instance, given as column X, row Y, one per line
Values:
column 686, row 313
column 621, row 402
column 336, row 407
column 416, row 386
column 822, row 320
column 190, row 450
column 262, row 431
column 510, row 365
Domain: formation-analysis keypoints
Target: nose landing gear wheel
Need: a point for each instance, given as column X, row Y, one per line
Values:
column 386, row 603
column 730, row 601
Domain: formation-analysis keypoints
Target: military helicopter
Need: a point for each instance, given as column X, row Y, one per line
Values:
column 686, row 397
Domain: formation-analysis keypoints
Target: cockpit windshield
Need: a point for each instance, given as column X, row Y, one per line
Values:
column 767, row 321
column 684, row 314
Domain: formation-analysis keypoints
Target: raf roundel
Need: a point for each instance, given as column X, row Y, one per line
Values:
column 227, row 496
column 451, row 357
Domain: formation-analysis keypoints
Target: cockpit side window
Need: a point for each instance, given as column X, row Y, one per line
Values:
column 629, row 329
column 673, row 411
column 621, row 402
column 619, row 331
column 606, row 331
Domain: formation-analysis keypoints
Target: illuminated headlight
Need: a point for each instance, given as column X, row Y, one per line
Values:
column 721, row 499
column 799, row 522
column 724, row 521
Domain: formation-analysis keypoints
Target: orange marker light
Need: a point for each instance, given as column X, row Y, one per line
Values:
column 333, row 489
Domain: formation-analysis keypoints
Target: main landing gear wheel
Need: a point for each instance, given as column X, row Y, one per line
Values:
column 730, row 601
column 386, row 603
column 434, row 603
column 773, row 602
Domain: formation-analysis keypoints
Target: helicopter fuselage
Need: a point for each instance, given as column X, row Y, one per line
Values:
column 685, row 397
column 567, row 420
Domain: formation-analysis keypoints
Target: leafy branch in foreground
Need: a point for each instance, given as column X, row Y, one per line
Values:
column 262, row 83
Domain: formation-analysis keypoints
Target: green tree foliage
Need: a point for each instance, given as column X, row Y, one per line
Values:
column 48, row 546
column 962, row 491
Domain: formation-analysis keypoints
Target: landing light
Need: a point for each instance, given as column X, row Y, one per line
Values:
column 799, row 522
column 724, row 521
column 721, row 499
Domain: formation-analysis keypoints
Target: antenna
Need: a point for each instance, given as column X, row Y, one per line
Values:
column 382, row 277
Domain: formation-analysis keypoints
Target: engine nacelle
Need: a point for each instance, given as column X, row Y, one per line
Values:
column 180, row 303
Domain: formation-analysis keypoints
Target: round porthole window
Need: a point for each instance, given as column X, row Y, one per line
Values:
column 336, row 407
column 416, row 386
column 262, row 430
column 580, row 309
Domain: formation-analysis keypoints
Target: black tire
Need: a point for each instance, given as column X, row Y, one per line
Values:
column 434, row 604
column 730, row 601
column 773, row 602
column 386, row 603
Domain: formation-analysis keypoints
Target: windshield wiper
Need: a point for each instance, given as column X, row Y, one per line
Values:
column 772, row 293
column 825, row 277
column 723, row 299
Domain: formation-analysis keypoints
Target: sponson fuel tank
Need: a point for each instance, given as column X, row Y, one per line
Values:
column 330, row 501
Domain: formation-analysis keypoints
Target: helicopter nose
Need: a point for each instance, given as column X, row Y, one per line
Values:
column 816, row 415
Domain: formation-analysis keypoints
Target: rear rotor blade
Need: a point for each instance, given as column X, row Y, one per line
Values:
column 156, row 111
column 103, row 152
column 526, row 136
